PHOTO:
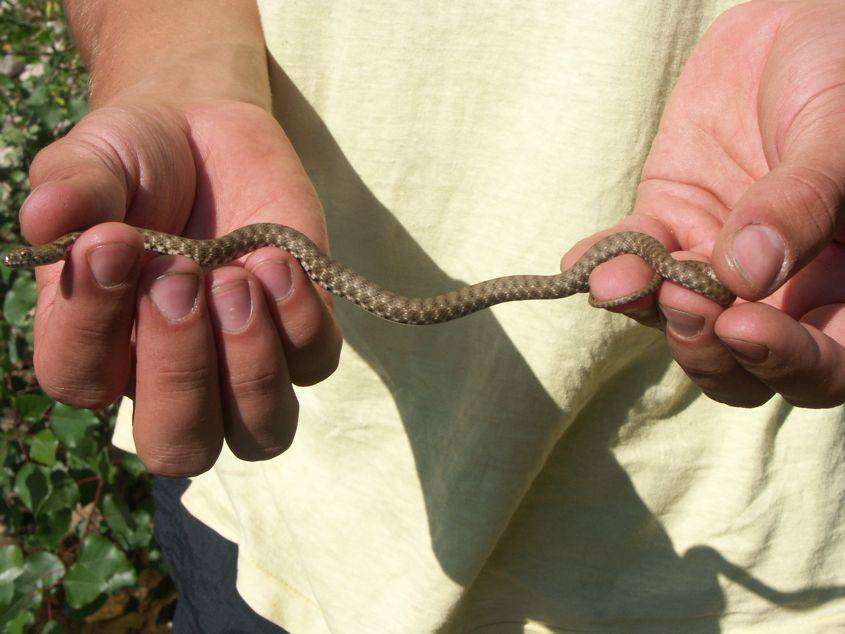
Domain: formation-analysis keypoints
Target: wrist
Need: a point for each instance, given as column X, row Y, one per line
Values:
column 175, row 50
column 234, row 73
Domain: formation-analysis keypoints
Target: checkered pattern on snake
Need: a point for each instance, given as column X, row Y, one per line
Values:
column 342, row 281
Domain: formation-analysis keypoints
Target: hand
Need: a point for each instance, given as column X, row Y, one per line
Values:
column 214, row 355
column 748, row 169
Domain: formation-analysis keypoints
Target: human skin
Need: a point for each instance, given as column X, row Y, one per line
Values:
column 748, row 170
column 180, row 139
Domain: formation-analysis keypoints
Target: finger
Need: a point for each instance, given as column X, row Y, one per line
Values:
column 627, row 274
column 796, row 359
column 259, row 407
column 84, row 318
column 178, row 423
column 309, row 332
column 115, row 164
column 689, row 325
column 73, row 187
column 786, row 218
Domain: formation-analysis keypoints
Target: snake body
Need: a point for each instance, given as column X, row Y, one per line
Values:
column 342, row 281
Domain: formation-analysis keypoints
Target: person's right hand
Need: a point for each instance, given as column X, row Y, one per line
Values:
column 207, row 356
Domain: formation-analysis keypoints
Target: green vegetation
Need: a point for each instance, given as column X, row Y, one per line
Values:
column 76, row 544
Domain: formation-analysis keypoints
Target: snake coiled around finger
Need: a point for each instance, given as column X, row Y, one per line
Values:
column 340, row 280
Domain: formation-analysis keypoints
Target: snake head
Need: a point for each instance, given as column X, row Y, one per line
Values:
column 17, row 258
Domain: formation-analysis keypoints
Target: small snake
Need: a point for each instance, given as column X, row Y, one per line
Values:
column 342, row 281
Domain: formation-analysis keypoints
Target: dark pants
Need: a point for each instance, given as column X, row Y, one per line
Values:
column 203, row 566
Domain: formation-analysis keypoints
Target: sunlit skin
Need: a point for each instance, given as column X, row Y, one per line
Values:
column 180, row 139
column 753, row 134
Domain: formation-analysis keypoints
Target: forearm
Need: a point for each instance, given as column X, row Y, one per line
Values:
column 178, row 49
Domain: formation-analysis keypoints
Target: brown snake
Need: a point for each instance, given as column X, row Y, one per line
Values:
column 342, row 281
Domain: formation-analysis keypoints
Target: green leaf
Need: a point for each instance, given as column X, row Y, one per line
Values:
column 42, row 447
column 132, row 530
column 51, row 114
column 72, row 425
column 32, row 407
column 131, row 463
column 11, row 567
column 102, row 466
column 77, row 108
column 53, row 514
column 41, row 570
column 20, row 299
column 63, row 494
column 4, row 447
column 38, row 96
column 19, row 623
column 5, row 271
column 32, row 485
column 51, row 529
column 100, row 569
column 50, row 627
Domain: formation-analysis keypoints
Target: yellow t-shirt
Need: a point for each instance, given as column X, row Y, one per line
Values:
column 541, row 466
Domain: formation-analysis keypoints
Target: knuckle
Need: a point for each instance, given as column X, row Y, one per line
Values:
column 813, row 399
column 178, row 462
column 256, row 382
column 94, row 333
column 74, row 386
column 744, row 400
column 77, row 394
column 182, row 381
column 817, row 195
column 281, row 428
column 322, row 366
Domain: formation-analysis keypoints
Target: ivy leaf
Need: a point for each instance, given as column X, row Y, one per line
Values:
column 4, row 448
column 102, row 466
column 20, row 299
column 32, row 407
column 42, row 447
column 101, row 569
column 53, row 516
column 77, row 109
column 132, row 530
column 41, row 570
column 63, row 494
column 51, row 529
column 71, row 426
column 51, row 115
column 19, row 623
column 11, row 567
column 132, row 464
column 38, row 96
column 32, row 485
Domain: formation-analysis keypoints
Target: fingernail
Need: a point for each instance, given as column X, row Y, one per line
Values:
column 232, row 303
column 175, row 294
column 759, row 253
column 747, row 350
column 111, row 263
column 682, row 323
column 276, row 277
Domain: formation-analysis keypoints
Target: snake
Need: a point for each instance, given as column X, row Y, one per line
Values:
column 341, row 281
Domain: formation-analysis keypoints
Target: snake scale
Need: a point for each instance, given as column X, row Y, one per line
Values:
column 342, row 281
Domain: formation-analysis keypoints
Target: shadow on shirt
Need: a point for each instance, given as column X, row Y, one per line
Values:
column 609, row 563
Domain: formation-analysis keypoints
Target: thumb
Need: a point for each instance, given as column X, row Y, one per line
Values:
column 112, row 165
column 783, row 220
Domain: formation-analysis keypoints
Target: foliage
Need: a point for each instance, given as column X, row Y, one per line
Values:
column 76, row 540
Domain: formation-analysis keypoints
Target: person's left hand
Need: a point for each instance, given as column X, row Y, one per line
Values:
column 748, row 170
